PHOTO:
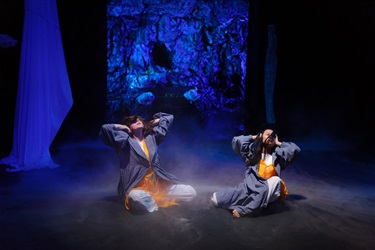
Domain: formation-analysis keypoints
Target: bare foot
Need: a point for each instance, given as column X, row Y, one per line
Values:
column 236, row 214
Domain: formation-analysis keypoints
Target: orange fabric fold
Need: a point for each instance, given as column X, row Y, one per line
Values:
column 267, row 171
column 156, row 187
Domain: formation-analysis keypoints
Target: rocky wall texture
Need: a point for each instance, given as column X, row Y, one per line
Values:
column 178, row 54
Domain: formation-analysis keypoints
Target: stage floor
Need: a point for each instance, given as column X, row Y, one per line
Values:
column 331, row 204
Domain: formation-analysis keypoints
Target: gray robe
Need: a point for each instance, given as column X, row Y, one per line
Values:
column 251, row 194
column 133, row 161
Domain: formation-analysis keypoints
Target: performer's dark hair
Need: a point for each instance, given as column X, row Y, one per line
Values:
column 128, row 120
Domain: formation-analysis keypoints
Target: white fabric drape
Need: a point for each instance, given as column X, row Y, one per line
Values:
column 44, row 97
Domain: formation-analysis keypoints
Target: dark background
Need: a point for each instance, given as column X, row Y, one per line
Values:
column 324, row 86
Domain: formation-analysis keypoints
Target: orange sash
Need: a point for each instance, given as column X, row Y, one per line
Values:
column 156, row 187
column 267, row 171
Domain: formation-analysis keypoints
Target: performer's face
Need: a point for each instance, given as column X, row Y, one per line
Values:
column 267, row 137
column 138, row 124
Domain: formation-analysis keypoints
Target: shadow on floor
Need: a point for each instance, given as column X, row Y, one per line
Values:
column 75, row 206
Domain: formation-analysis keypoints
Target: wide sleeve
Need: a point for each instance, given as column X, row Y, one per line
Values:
column 241, row 144
column 113, row 137
column 161, row 130
column 286, row 153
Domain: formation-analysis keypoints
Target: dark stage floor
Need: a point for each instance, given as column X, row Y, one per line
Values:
column 331, row 203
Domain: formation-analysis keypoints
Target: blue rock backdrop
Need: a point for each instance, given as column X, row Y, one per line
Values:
column 177, row 56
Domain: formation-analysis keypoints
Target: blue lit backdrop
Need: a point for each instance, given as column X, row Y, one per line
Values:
column 182, row 55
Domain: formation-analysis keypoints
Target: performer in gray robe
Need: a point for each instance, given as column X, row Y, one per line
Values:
column 129, row 141
column 258, row 190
